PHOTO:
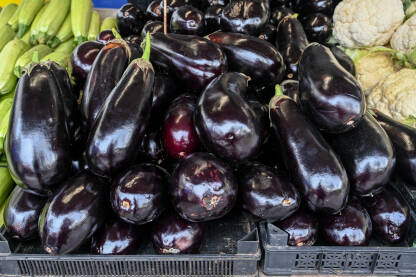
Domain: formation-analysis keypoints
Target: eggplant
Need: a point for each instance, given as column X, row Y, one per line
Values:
column 315, row 6
column 138, row 194
column 151, row 148
column 314, row 168
column 154, row 10
column 193, row 60
column 130, row 20
column 73, row 214
column 105, row 73
column 279, row 3
column 217, row 2
column 350, row 227
column 330, row 96
column 252, row 56
column 403, row 138
column 82, row 59
column 21, row 213
column 278, row 14
column 291, row 41
column 261, row 111
column 172, row 5
column 212, row 18
column 173, row 235
column 245, row 16
column 225, row 123
column 116, row 135
column 38, row 141
column 164, row 91
column 268, row 33
column 302, row 228
column 187, row 20
column 141, row 4
column 291, row 89
column 152, row 27
column 318, row 27
column 266, row 193
column 367, row 154
column 344, row 60
column 116, row 237
column 204, row 188
column 105, row 36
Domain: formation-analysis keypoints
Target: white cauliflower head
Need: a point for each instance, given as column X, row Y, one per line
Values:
column 404, row 39
column 366, row 23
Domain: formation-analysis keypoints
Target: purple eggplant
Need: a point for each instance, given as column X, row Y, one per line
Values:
column 82, row 59
column 278, row 14
column 213, row 17
column 291, row 89
column 302, row 228
column 152, row 27
column 280, row 3
column 130, row 20
column 151, row 148
column 344, row 59
column 172, row 5
column 315, row 6
column 141, row 4
column 187, row 20
column 204, row 188
column 164, row 91
column 318, row 27
column 268, row 33
column 261, row 111
column 154, row 10
column 105, row 36
column 217, row 2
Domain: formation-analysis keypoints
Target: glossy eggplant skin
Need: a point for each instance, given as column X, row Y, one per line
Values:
column 105, row 36
column 116, row 237
column 351, row 227
column 172, row 5
column 367, row 154
column 268, row 33
column 217, row 2
column 225, row 123
column 291, row 41
column 152, row 148
column 204, row 188
column 22, row 212
column 252, row 56
column 261, row 111
column 302, row 228
column 245, row 16
column 138, row 195
column 403, row 138
column 318, row 27
column 116, row 135
column 164, row 91
column 152, row 27
column 291, row 89
column 195, row 61
column 105, row 73
column 141, row 4
column 130, row 20
column 314, row 168
column 187, row 20
column 174, row 235
column 315, row 6
column 267, row 194
column 73, row 214
column 330, row 95
column 82, row 59
column 344, row 60
column 38, row 142
column 212, row 18
column 278, row 14
column 154, row 11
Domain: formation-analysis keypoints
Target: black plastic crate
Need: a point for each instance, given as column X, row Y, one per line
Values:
column 231, row 248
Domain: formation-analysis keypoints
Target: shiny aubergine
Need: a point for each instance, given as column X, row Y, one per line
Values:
column 152, row 27
column 134, row 40
column 212, row 18
column 268, row 33
column 141, row 4
column 104, row 75
column 315, row 6
column 367, row 154
column 351, row 227
column 313, row 166
column 302, row 228
column 278, row 14
column 82, row 59
column 318, row 27
column 261, row 111
column 203, row 188
column 38, row 141
column 172, row 5
column 266, row 193
column 173, row 235
column 224, row 121
column 403, row 138
column 330, row 96
column 138, row 194
column 187, row 20
column 73, row 214
column 21, row 213
column 252, row 56
column 154, row 10
column 151, row 148
column 279, row 3
column 291, row 89
column 193, row 60
column 164, row 91
column 291, row 41
column 344, row 60
column 245, row 16
column 217, row 2
column 130, row 20
column 105, row 36
column 116, row 237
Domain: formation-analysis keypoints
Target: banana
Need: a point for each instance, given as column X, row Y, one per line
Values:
column 6, row 35
column 6, row 13
column 64, row 33
column 52, row 19
column 23, row 63
column 94, row 26
column 81, row 11
column 28, row 12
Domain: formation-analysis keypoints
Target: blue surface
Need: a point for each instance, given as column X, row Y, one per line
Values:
column 111, row 4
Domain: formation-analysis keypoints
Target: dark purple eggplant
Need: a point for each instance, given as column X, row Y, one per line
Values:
column 105, row 36
column 187, row 20
column 330, row 95
column 212, row 18
column 344, row 60
column 278, row 14
column 245, row 16
column 116, row 237
column 315, row 169
column 151, row 148
column 403, row 138
column 21, row 213
column 261, row 111
column 172, row 5
column 152, row 27
column 134, row 40
column 73, row 214
column 315, row 6
column 141, row 4
column 139, row 194
column 291, row 89
column 155, row 11
column 82, row 59
column 318, row 27
column 193, row 60
column 130, row 20
column 367, row 154
column 302, row 228
column 268, row 33
column 173, row 235
column 204, row 188
column 267, row 194
column 279, row 3
column 351, row 227
column 217, row 2
column 252, row 56
column 225, row 123
column 164, row 91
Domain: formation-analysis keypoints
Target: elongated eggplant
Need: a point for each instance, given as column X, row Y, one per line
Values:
column 261, row 111
column 204, row 188
column 213, row 18
column 116, row 135
column 367, row 154
column 225, row 123
column 105, row 73
column 187, row 20
column 195, row 61
column 164, row 91
column 22, row 212
column 318, row 27
column 312, row 164
column 252, row 56
column 266, row 194
column 130, row 20
column 330, row 95
column 73, row 214
column 268, row 33
column 302, row 228
column 291, row 89
column 152, row 27
column 344, row 60
column 38, row 144
column 82, row 59
column 403, row 138
column 278, row 14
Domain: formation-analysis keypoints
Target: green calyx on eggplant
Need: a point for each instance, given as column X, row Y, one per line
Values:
column 130, row 20
column 226, row 124
column 312, row 164
column 330, row 96
column 187, row 20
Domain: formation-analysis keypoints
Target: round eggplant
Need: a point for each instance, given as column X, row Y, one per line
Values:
column 187, row 20
column 155, row 11
column 152, row 27
column 105, row 36
column 278, row 14
column 213, row 17
column 82, row 59
column 130, row 20
column 302, row 228
column 344, row 60
column 318, row 27
column 268, row 33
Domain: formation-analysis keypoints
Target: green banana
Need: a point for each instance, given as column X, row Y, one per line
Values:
column 108, row 24
column 64, row 33
column 81, row 11
column 6, row 35
column 6, row 13
column 5, row 110
column 34, row 28
column 26, row 15
column 94, row 29
column 52, row 19
column 22, row 64
column 13, row 21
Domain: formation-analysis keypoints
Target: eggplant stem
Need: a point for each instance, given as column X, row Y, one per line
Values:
column 146, row 51
column 116, row 34
column 278, row 90
column 295, row 15
column 35, row 57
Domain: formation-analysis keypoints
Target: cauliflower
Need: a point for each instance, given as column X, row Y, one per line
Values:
column 404, row 39
column 396, row 96
column 366, row 23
